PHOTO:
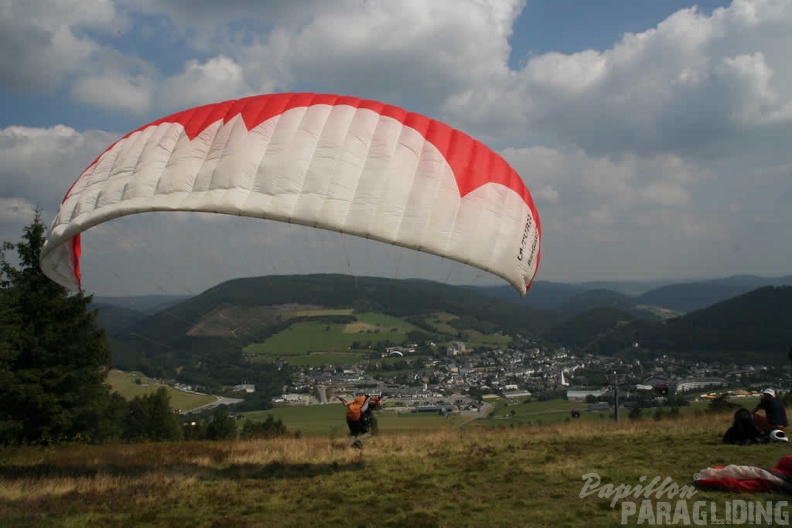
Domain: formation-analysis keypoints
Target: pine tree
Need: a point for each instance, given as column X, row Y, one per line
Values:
column 150, row 418
column 53, row 358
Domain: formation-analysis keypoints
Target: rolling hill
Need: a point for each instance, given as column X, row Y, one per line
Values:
column 205, row 339
column 752, row 327
column 690, row 296
column 587, row 326
column 399, row 298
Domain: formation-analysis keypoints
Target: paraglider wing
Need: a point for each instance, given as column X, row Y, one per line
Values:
column 333, row 162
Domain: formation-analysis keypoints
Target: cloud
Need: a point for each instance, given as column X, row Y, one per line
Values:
column 43, row 43
column 115, row 91
column 39, row 164
column 16, row 211
column 691, row 82
column 578, row 192
column 217, row 79
column 656, row 156
column 414, row 53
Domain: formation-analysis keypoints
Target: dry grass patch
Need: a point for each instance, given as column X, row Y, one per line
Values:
column 454, row 477
column 359, row 327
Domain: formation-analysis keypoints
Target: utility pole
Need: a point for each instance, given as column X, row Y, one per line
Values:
column 616, row 400
column 614, row 383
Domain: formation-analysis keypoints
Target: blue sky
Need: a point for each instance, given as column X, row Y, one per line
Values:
column 569, row 26
column 653, row 135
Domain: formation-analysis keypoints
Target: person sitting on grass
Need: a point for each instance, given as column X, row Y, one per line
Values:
column 775, row 416
column 743, row 430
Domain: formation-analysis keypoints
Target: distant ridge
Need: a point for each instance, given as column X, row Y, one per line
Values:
column 755, row 326
column 691, row 296
column 679, row 296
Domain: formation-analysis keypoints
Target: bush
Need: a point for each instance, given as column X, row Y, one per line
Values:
column 269, row 428
column 221, row 426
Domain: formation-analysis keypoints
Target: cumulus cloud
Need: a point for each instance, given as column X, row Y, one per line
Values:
column 692, row 81
column 413, row 53
column 43, row 43
column 576, row 192
column 667, row 149
column 117, row 91
column 39, row 164
column 215, row 79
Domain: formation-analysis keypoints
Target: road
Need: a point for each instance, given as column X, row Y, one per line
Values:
column 220, row 400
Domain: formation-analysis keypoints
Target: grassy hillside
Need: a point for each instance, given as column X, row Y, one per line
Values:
column 397, row 298
column 233, row 331
column 450, row 477
column 132, row 384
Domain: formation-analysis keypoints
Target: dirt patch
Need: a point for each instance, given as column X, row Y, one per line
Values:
column 360, row 328
column 234, row 321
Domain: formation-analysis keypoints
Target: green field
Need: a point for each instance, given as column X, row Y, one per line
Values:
column 433, row 477
column 317, row 343
column 320, row 343
column 125, row 383
column 329, row 420
column 545, row 412
column 383, row 321
column 304, row 338
column 474, row 338
column 320, row 312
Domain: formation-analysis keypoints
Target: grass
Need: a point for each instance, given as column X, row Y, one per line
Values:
column 438, row 477
column 328, row 420
column 540, row 412
column 301, row 338
column 386, row 321
column 125, row 383
column 320, row 343
column 317, row 343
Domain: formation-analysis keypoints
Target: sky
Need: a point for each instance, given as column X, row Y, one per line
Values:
column 654, row 136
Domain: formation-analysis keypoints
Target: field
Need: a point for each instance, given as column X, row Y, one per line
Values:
column 328, row 420
column 542, row 412
column 447, row 476
column 125, row 383
column 318, row 343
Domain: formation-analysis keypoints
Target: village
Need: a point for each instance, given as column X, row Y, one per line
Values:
column 461, row 379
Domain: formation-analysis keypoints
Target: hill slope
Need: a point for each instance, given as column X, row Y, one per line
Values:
column 394, row 297
column 586, row 327
column 754, row 326
column 186, row 338
column 185, row 341
column 686, row 297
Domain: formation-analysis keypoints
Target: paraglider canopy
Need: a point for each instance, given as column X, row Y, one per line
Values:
column 333, row 162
